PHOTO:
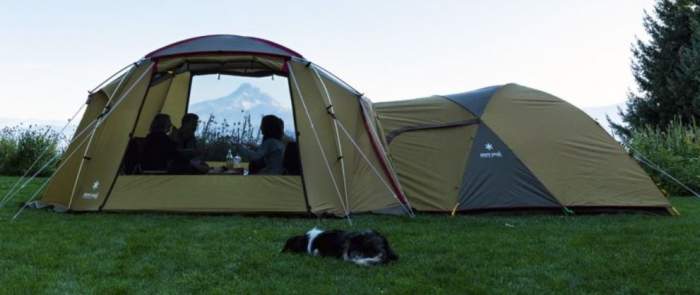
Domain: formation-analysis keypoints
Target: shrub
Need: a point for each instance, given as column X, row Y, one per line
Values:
column 675, row 149
column 20, row 146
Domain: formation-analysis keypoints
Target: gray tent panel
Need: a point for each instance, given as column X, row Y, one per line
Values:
column 474, row 101
column 496, row 178
column 224, row 43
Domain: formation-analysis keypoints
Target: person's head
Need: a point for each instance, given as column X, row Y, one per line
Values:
column 272, row 127
column 189, row 124
column 161, row 123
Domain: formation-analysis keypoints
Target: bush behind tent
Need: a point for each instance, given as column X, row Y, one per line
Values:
column 21, row 145
column 675, row 149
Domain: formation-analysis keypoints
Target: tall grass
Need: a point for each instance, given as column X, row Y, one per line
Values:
column 675, row 149
column 21, row 145
column 215, row 138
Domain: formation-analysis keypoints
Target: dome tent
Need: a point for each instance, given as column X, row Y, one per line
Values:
column 345, row 168
column 506, row 147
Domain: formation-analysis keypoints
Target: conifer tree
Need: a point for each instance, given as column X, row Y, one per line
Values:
column 666, row 68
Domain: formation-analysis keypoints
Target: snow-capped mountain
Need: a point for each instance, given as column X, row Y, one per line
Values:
column 246, row 99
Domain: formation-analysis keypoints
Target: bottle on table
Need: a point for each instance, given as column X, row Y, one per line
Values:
column 229, row 160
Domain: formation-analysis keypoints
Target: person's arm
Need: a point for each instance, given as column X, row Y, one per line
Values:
column 253, row 155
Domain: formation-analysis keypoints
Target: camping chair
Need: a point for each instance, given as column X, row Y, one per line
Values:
column 291, row 161
column 132, row 157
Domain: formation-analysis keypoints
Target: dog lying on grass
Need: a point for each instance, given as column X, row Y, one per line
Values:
column 364, row 248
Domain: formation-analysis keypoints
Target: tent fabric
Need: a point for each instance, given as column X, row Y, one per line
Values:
column 92, row 179
column 202, row 193
column 474, row 101
column 495, row 177
column 430, row 174
column 528, row 149
column 223, row 44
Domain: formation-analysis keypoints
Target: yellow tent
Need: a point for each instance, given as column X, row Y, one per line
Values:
column 345, row 168
column 509, row 147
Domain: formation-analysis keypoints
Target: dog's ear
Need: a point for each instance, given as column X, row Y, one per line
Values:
column 295, row 244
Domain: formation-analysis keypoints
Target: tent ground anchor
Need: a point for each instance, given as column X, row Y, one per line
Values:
column 567, row 211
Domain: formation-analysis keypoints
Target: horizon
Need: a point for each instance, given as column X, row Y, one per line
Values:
column 578, row 50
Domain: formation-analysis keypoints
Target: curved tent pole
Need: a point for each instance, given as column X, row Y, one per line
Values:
column 334, row 77
column 101, row 118
column 112, row 76
column 331, row 111
column 320, row 146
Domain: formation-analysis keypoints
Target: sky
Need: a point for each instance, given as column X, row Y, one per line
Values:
column 54, row 51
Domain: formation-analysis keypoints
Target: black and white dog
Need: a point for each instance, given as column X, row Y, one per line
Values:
column 362, row 248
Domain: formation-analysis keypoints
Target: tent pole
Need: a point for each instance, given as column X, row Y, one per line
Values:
column 320, row 146
column 331, row 112
column 107, row 111
column 110, row 77
column 374, row 169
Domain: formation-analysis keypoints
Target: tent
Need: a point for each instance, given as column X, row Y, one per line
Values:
column 508, row 147
column 344, row 165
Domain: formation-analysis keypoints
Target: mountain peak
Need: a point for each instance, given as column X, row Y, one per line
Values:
column 248, row 90
column 247, row 98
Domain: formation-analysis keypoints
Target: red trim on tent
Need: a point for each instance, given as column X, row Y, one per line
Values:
column 268, row 42
column 385, row 166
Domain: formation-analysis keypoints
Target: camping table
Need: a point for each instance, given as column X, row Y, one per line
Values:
column 216, row 168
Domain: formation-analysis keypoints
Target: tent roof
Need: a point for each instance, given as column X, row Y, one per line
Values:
column 476, row 100
column 223, row 43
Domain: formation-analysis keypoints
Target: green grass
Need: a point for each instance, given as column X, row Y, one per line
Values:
column 45, row 252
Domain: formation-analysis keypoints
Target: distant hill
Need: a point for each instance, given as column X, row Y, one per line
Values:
column 246, row 99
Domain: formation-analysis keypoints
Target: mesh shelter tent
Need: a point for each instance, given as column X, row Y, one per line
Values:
column 345, row 167
column 506, row 147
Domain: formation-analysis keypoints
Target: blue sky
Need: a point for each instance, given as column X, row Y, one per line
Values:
column 54, row 51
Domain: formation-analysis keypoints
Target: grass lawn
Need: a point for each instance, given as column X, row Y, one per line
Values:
column 45, row 252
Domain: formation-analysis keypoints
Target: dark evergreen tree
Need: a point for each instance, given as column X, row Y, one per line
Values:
column 666, row 68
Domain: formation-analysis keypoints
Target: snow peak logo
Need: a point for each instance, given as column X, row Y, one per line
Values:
column 490, row 152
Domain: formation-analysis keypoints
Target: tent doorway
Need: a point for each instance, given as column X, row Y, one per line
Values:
column 228, row 108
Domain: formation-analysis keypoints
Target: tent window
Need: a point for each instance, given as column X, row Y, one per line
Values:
column 233, row 114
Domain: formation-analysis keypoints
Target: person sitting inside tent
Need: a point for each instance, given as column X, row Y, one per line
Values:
column 159, row 150
column 268, row 157
column 186, row 145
